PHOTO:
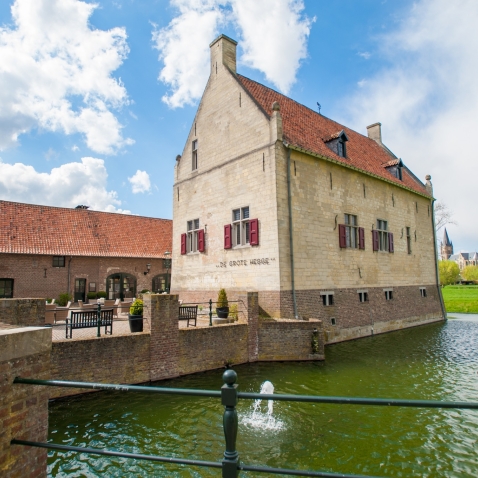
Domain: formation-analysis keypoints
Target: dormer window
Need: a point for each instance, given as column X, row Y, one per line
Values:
column 336, row 143
column 395, row 168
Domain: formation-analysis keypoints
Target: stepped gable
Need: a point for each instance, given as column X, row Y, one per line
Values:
column 34, row 229
column 309, row 130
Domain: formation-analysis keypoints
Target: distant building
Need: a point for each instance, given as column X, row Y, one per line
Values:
column 464, row 259
column 446, row 247
column 45, row 251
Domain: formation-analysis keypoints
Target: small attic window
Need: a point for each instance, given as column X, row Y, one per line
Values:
column 336, row 143
column 395, row 168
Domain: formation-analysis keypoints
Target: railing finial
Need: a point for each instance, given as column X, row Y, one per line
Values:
column 229, row 400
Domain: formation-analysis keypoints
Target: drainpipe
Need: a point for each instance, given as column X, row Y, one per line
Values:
column 69, row 266
column 437, row 274
column 291, row 244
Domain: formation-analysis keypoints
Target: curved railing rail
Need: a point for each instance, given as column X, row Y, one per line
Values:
column 229, row 394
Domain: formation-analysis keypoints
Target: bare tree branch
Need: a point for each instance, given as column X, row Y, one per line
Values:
column 443, row 216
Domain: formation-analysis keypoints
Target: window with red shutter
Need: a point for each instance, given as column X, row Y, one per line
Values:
column 361, row 238
column 254, row 232
column 375, row 241
column 201, row 242
column 227, row 236
column 342, row 236
column 390, row 242
column 183, row 243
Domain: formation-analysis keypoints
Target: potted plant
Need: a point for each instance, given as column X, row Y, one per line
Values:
column 222, row 305
column 91, row 296
column 135, row 316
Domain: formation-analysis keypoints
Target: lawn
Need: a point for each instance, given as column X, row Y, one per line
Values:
column 461, row 298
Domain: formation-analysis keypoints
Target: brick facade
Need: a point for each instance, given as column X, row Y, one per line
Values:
column 22, row 312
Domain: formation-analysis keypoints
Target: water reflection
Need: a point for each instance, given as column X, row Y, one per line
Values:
column 437, row 361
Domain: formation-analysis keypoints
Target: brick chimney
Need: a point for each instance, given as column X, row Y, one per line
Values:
column 223, row 52
column 374, row 132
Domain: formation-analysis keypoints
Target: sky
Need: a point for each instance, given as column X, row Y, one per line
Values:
column 97, row 98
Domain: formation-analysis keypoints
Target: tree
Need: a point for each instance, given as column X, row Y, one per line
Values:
column 443, row 216
column 449, row 272
column 470, row 273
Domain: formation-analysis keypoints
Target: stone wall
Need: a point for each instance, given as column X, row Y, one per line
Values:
column 107, row 359
column 281, row 339
column 24, row 352
column 22, row 313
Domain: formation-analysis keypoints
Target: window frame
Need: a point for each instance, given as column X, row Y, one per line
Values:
column 388, row 294
column 423, row 292
column 363, row 296
column 192, row 236
column 60, row 261
column 12, row 285
column 383, row 242
column 241, row 228
column 327, row 298
column 194, row 149
column 351, row 231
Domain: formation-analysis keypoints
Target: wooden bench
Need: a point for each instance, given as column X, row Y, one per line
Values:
column 188, row 312
column 89, row 318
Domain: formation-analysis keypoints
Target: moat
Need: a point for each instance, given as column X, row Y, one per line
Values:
column 436, row 362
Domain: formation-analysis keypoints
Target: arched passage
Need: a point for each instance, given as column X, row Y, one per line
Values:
column 121, row 286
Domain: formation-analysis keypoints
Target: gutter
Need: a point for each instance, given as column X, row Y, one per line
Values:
column 291, row 242
column 69, row 264
column 437, row 274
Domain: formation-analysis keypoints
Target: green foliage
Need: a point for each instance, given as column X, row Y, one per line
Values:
column 63, row 299
column 48, row 300
column 91, row 295
column 233, row 312
column 470, row 273
column 449, row 272
column 222, row 299
column 101, row 294
column 136, row 307
column 145, row 291
column 463, row 299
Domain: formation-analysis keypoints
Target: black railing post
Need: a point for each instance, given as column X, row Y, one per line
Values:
column 98, row 319
column 229, row 400
column 210, row 312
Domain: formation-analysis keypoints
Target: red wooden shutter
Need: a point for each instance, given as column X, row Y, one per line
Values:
column 201, row 242
column 361, row 238
column 390, row 242
column 254, row 232
column 342, row 236
column 183, row 243
column 227, row 236
column 375, row 240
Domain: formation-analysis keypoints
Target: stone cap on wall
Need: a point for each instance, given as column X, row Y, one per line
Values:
column 17, row 343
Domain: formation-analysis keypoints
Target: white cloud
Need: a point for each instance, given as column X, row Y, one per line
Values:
column 67, row 186
column 427, row 102
column 75, row 148
column 365, row 54
column 140, row 182
column 56, row 74
column 272, row 33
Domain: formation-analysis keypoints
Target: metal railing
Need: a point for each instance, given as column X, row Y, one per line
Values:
column 229, row 395
column 210, row 302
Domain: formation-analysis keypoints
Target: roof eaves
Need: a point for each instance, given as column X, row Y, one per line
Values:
column 349, row 166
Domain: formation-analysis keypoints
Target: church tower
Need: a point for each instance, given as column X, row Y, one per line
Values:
column 446, row 247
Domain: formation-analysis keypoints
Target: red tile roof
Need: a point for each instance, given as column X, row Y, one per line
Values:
column 33, row 229
column 309, row 130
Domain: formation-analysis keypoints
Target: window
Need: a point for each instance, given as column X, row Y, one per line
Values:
column 382, row 235
column 195, row 154
column 327, row 298
column 241, row 226
column 351, row 231
column 333, row 321
column 6, row 288
column 58, row 261
column 388, row 294
column 423, row 291
column 341, row 151
column 409, row 241
column 363, row 296
column 193, row 235
column 92, row 287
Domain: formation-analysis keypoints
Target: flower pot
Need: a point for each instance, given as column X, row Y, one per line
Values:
column 135, row 323
column 222, row 312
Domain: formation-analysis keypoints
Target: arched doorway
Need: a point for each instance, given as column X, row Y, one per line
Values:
column 120, row 286
column 160, row 283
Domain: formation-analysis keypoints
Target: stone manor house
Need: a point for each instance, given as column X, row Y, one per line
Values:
column 323, row 222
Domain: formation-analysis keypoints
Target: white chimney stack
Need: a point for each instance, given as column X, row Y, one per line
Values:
column 223, row 52
column 374, row 132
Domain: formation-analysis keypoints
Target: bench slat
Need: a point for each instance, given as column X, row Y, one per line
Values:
column 188, row 312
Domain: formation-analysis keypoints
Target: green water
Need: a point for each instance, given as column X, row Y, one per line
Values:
column 438, row 361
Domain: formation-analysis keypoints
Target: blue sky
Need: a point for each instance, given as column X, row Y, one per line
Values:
column 96, row 99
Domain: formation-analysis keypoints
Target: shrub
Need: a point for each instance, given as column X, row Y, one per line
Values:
column 101, row 294
column 470, row 273
column 136, row 307
column 91, row 295
column 449, row 272
column 63, row 299
column 233, row 312
column 222, row 299
column 145, row 291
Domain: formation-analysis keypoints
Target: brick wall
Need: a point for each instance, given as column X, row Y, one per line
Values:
column 282, row 339
column 24, row 352
column 24, row 312
column 35, row 276
column 117, row 359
